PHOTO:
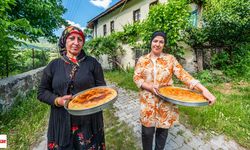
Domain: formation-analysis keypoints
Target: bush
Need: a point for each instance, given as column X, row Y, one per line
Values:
column 236, row 64
column 226, row 26
column 211, row 77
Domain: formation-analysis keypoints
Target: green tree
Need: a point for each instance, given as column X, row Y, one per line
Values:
column 171, row 17
column 105, row 46
column 45, row 15
column 227, row 26
column 227, row 22
column 26, row 20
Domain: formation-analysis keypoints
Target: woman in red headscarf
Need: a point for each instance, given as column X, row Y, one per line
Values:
column 62, row 78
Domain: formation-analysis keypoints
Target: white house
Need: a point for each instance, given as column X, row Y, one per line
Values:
column 127, row 12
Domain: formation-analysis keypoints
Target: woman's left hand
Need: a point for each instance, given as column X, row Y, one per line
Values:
column 209, row 96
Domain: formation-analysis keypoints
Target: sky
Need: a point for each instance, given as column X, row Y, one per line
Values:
column 79, row 12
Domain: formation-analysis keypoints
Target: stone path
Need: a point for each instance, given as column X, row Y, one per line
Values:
column 179, row 138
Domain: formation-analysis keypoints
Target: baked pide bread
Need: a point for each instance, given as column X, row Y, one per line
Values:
column 92, row 98
column 181, row 94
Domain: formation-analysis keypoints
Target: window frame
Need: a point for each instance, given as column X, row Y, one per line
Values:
column 136, row 15
column 112, row 26
column 104, row 30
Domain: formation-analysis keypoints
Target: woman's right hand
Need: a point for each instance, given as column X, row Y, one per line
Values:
column 61, row 100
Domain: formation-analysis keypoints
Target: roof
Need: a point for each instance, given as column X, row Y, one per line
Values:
column 109, row 10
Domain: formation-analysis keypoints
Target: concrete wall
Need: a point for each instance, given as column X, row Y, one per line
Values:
column 16, row 86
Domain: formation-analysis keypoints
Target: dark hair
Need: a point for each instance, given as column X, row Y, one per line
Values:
column 159, row 33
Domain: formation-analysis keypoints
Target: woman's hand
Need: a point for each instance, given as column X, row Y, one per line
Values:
column 60, row 101
column 209, row 96
column 154, row 89
column 150, row 87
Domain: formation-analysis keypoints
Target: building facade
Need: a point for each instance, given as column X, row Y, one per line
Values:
column 122, row 13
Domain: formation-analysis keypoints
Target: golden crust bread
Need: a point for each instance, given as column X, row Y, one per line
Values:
column 181, row 94
column 92, row 98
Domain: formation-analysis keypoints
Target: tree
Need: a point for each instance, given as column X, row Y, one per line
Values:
column 227, row 21
column 45, row 15
column 172, row 18
column 227, row 26
column 26, row 20
column 88, row 33
column 105, row 46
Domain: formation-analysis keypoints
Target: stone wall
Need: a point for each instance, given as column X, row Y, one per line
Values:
column 16, row 86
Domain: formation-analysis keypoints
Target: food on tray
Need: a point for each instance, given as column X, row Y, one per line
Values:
column 181, row 94
column 92, row 98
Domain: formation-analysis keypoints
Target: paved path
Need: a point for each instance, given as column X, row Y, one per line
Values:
column 179, row 138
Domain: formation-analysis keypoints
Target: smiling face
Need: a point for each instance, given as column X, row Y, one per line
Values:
column 74, row 43
column 157, row 45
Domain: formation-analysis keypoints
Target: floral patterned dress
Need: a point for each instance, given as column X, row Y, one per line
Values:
column 155, row 112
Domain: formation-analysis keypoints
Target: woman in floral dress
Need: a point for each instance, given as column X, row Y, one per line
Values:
column 152, row 71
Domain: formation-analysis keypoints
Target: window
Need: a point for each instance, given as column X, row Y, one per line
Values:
column 104, row 30
column 112, row 26
column 194, row 18
column 153, row 3
column 137, row 15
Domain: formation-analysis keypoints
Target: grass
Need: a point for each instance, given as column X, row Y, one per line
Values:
column 122, row 79
column 229, row 116
column 25, row 122
column 118, row 135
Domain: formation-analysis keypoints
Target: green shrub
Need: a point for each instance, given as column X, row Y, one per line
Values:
column 236, row 64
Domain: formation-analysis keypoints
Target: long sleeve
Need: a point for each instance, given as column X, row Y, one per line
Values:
column 45, row 93
column 182, row 75
column 98, row 75
column 138, row 73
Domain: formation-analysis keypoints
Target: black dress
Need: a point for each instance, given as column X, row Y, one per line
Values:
column 66, row 131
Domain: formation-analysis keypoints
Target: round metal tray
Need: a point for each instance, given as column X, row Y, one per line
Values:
column 174, row 101
column 90, row 110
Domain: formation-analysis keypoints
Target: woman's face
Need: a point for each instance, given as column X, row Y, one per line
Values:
column 74, row 43
column 157, row 45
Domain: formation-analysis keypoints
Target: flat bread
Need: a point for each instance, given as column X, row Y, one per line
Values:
column 92, row 98
column 181, row 94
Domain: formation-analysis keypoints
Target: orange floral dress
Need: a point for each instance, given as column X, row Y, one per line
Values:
column 154, row 111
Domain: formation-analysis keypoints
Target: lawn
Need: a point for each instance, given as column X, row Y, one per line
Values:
column 25, row 122
column 229, row 116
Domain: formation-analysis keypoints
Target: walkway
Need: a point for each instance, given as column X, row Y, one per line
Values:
column 179, row 138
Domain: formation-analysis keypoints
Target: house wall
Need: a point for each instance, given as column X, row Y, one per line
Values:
column 123, row 16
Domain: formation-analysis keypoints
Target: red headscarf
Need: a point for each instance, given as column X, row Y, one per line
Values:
column 67, row 31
